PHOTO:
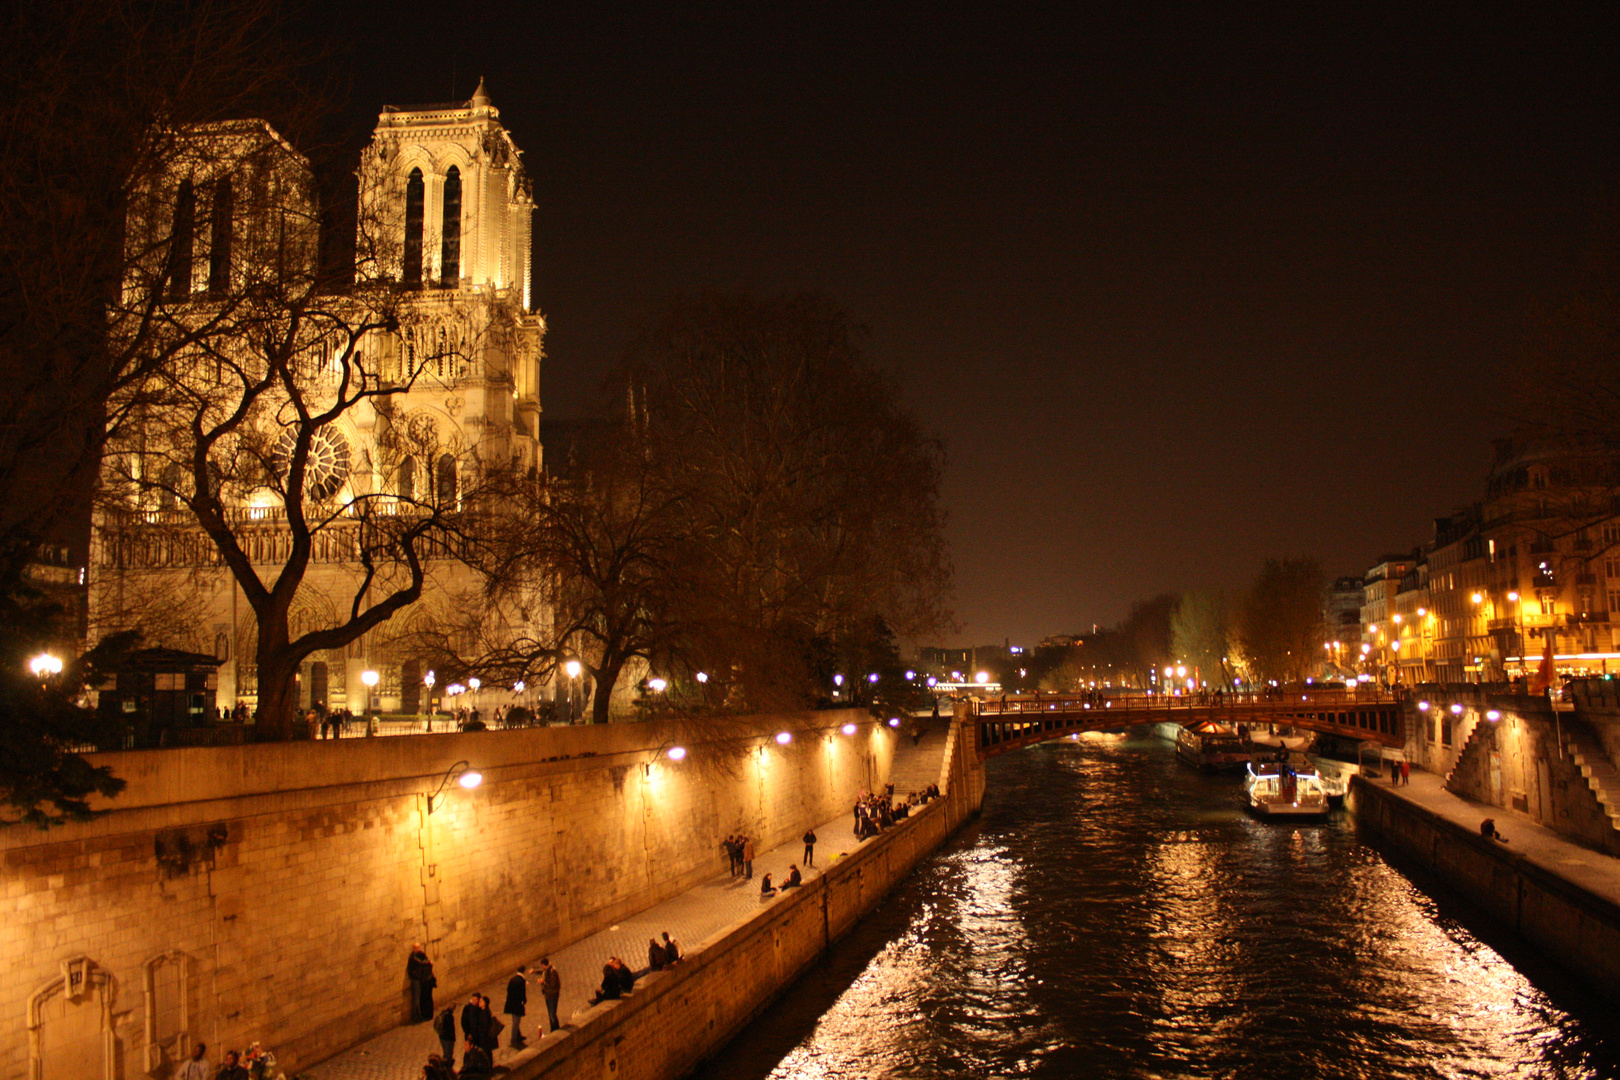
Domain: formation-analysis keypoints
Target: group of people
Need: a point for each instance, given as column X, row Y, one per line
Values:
column 740, row 851
column 617, row 977
column 238, row 1066
column 480, row 1028
column 876, row 811
column 794, row 880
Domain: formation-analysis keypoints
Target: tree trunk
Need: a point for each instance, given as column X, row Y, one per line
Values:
column 278, row 694
column 606, row 677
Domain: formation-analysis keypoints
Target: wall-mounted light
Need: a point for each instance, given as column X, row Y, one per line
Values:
column 784, row 737
column 462, row 773
column 1456, row 710
column 894, row 721
column 1492, row 714
column 848, row 729
column 1423, row 706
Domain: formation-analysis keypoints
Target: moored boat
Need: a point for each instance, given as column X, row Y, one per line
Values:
column 1284, row 789
column 1212, row 746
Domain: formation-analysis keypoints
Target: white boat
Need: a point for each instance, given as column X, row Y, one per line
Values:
column 1284, row 789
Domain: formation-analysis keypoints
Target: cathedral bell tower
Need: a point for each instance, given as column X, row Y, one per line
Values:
column 444, row 202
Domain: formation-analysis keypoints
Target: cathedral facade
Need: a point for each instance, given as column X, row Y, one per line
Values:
column 310, row 448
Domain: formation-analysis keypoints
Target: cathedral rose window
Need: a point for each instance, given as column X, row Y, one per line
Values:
column 328, row 465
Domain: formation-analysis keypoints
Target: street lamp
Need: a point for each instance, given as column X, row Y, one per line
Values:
column 369, row 678
column 467, row 777
column 657, row 685
column 571, row 669
column 45, row 665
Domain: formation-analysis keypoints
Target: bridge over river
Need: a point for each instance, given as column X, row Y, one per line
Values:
column 1008, row 723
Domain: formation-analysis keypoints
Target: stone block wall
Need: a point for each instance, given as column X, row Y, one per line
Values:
column 271, row 892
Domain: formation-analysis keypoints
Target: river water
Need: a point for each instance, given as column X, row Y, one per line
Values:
column 1115, row 914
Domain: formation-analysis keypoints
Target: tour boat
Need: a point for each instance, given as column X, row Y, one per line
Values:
column 1212, row 746
column 1283, row 789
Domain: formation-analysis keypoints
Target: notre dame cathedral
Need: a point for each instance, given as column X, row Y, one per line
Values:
column 406, row 385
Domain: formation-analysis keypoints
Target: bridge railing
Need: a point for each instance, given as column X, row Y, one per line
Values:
column 1159, row 703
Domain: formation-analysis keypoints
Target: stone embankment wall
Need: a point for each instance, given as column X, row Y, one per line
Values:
column 678, row 1017
column 1577, row 928
column 271, row 892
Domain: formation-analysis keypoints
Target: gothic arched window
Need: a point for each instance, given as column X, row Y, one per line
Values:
column 414, row 196
column 450, row 247
column 446, row 480
column 169, row 490
column 219, row 237
column 180, row 242
column 407, row 478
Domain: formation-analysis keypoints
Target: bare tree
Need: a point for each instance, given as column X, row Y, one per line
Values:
column 1280, row 625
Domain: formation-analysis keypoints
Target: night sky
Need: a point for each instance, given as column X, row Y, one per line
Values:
column 1181, row 287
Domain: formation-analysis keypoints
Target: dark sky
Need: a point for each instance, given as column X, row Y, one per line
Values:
column 1182, row 287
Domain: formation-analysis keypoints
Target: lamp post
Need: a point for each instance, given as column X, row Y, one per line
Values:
column 428, row 680
column 44, row 666
column 463, row 773
column 571, row 669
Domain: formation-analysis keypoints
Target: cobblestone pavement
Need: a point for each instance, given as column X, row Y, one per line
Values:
column 689, row 917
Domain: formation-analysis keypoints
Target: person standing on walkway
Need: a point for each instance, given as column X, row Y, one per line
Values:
column 748, row 858
column 1406, row 772
column 475, row 1022
column 419, row 969
column 517, row 1001
column 197, row 1066
column 550, row 989
column 444, row 1026
column 809, row 847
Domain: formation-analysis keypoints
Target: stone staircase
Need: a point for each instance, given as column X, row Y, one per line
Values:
column 1602, row 777
column 915, row 767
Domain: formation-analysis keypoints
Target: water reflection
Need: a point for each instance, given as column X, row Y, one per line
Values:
column 1115, row 915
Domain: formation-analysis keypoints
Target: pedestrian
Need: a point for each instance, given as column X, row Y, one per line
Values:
column 475, row 1022
column 550, row 989
column 196, row 1067
column 419, row 969
column 493, row 1026
column 517, row 1000
column 232, row 1069
column 444, row 1026
column 672, row 952
column 748, row 858
column 1406, row 772
column 809, row 847
column 733, row 853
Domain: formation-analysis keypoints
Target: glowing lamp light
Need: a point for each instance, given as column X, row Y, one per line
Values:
column 894, row 721
column 702, row 676
column 783, row 738
column 1477, row 597
column 657, row 685
column 518, row 687
column 910, row 675
column 1513, row 596
column 838, row 680
column 872, row 678
column 1169, row 671
column 848, row 729
column 1365, row 649
column 982, row 677
column 470, row 779
column 1423, row 706
column 676, row 753
column 956, row 676
column 1396, row 619
column 369, row 678
column 475, row 683
column 429, row 679
column 1492, row 714
column 932, row 681
column 1456, row 710
column 1425, row 611
column 572, row 669
column 1181, row 671
column 455, row 688
column 45, row 664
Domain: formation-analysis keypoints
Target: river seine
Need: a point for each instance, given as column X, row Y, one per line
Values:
column 1114, row 914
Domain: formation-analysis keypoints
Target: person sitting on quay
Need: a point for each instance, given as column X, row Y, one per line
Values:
column 609, row 990
column 765, row 887
column 627, row 978
column 435, row 1069
column 672, row 953
column 794, row 880
column 656, row 957
column 1487, row 829
column 477, row 1063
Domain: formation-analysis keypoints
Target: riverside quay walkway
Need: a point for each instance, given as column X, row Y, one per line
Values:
column 1010, row 722
column 689, row 918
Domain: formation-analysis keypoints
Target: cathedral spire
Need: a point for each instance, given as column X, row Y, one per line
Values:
column 480, row 98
